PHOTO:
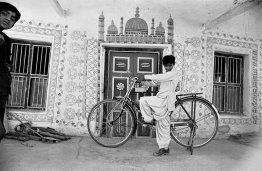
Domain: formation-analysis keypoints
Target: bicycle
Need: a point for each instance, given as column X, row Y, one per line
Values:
column 194, row 123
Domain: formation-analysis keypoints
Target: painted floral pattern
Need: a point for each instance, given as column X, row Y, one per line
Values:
column 120, row 86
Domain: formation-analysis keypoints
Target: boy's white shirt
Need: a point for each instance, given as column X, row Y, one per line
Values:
column 168, row 82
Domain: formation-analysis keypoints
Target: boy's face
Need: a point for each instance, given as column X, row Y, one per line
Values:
column 7, row 19
column 168, row 67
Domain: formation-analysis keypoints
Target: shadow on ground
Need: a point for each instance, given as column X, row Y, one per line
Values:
column 253, row 139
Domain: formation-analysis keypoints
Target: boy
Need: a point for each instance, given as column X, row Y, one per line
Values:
column 159, row 107
column 9, row 15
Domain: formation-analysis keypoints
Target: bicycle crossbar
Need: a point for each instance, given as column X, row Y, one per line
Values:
column 189, row 94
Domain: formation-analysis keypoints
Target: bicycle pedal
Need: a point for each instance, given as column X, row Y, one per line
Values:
column 148, row 125
column 145, row 125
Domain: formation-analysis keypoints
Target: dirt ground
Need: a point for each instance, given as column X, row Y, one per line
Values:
column 82, row 153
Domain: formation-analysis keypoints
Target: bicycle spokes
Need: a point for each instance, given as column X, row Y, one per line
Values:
column 110, row 124
column 204, row 122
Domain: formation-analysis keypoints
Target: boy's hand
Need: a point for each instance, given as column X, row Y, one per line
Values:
column 146, row 87
column 148, row 83
column 140, row 77
column 144, row 83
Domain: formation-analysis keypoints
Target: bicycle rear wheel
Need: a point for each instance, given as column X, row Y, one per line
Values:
column 104, row 125
column 206, row 118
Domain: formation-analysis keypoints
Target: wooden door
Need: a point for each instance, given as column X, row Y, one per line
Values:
column 117, row 66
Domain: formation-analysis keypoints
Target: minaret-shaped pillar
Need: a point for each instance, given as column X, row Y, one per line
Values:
column 170, row 32
column 152, row 27
column 101, row 29
column 121, row 26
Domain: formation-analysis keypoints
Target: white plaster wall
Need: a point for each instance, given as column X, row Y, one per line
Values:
column 247, row 24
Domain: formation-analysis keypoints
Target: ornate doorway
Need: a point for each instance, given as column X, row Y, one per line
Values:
column 116, row 78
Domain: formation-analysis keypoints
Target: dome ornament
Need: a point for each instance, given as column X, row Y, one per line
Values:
column 136, row 25
column 112, row 29
column 160, row 30
column 137, row 12
column 102, row 16
column 170, row 20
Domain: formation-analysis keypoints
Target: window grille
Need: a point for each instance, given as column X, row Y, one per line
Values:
column 30, row 63
column 228, row 83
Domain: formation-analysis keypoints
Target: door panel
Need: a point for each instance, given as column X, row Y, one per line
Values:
column 138, row 63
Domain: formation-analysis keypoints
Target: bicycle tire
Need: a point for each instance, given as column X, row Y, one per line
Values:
column 206, row 117
column 105, row 134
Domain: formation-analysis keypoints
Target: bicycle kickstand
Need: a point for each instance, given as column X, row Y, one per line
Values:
column 191, row 141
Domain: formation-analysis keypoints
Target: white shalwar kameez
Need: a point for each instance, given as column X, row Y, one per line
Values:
column 160, row 106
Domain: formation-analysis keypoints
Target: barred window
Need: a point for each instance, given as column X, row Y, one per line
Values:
column 30, row 64
column 228, row 83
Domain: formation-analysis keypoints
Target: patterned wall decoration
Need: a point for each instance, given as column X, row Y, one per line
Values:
column 189, row 61
column 148, row 39
column 81, row 85
column 178, row 51
column 260, row 86
column 92, row 93
column 72, row 71
column 193, row 66
column 212, row 39
column 57, row 33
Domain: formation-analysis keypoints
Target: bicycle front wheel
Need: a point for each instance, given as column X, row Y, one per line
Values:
column 109, row 124
column 206, row 118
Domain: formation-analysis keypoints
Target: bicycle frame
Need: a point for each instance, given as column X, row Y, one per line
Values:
column 126, row 100
column 193, row 109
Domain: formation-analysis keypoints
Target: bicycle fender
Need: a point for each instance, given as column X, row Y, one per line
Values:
column 203, row 99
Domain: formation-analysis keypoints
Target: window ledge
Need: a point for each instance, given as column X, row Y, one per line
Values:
column 222, row 116
column 28, row 111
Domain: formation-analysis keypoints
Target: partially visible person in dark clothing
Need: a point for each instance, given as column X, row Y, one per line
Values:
column 9, row 15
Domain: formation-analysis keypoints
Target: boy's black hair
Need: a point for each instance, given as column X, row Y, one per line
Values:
column 10, row 7
column 168, row 59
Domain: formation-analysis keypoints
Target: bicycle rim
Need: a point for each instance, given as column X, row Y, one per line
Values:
column 206, row 120
column 104, row 133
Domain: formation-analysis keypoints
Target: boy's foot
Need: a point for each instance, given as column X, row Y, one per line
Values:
column 161, row 151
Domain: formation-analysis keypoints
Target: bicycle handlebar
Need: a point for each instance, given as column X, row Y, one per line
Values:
column 134, row 79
